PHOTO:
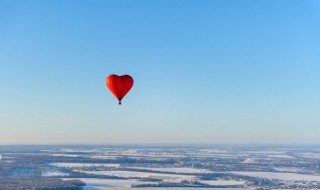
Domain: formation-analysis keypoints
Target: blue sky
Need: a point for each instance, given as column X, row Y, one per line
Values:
column 205, row 71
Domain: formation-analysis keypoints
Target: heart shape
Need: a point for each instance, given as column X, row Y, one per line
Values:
column 119, row 85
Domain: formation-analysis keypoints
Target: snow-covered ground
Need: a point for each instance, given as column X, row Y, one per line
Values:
column 286, row 169
column 132, row 174
column 107, row 157
column 175, row 165
column 310, row 155
column 249, row 161
column 66, row 155
column 92, row 183
column 222, row 182
column 280, row 156
column 264, row 152
column 175, row 170
column 107, row 184
column 53, row 173
column 74, row 165
column 79, row 150
column 212, row 150
column 281, row 176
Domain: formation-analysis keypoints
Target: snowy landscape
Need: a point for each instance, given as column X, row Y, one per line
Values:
column 160, row 167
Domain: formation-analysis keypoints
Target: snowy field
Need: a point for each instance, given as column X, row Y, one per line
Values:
column 74, row 165
column 169, row 167
column 53, row 173
column 101, row 184
column 281, row 176
column 67, row 155
column 107, row 157
column 92, row 183
column 175, row 170
column 222, row 182
column 310, row 155
column 133, row 174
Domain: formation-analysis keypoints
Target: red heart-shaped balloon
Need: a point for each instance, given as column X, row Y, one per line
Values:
column 119, row 85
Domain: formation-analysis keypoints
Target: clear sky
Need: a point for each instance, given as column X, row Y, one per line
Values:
column 205, row 71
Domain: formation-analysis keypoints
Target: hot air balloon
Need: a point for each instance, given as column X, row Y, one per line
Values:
column 119, row 85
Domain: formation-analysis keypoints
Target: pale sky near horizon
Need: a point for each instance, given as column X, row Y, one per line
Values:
column 205, row 71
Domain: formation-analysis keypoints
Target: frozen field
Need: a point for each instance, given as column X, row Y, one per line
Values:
column 132, row 174
column 108, row 183
column 175, row 170
column 169, row 167
column 100, row 184
column 74, row 165
column 281, row 176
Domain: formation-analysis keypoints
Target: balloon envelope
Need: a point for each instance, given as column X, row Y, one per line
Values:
column 119, row 85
